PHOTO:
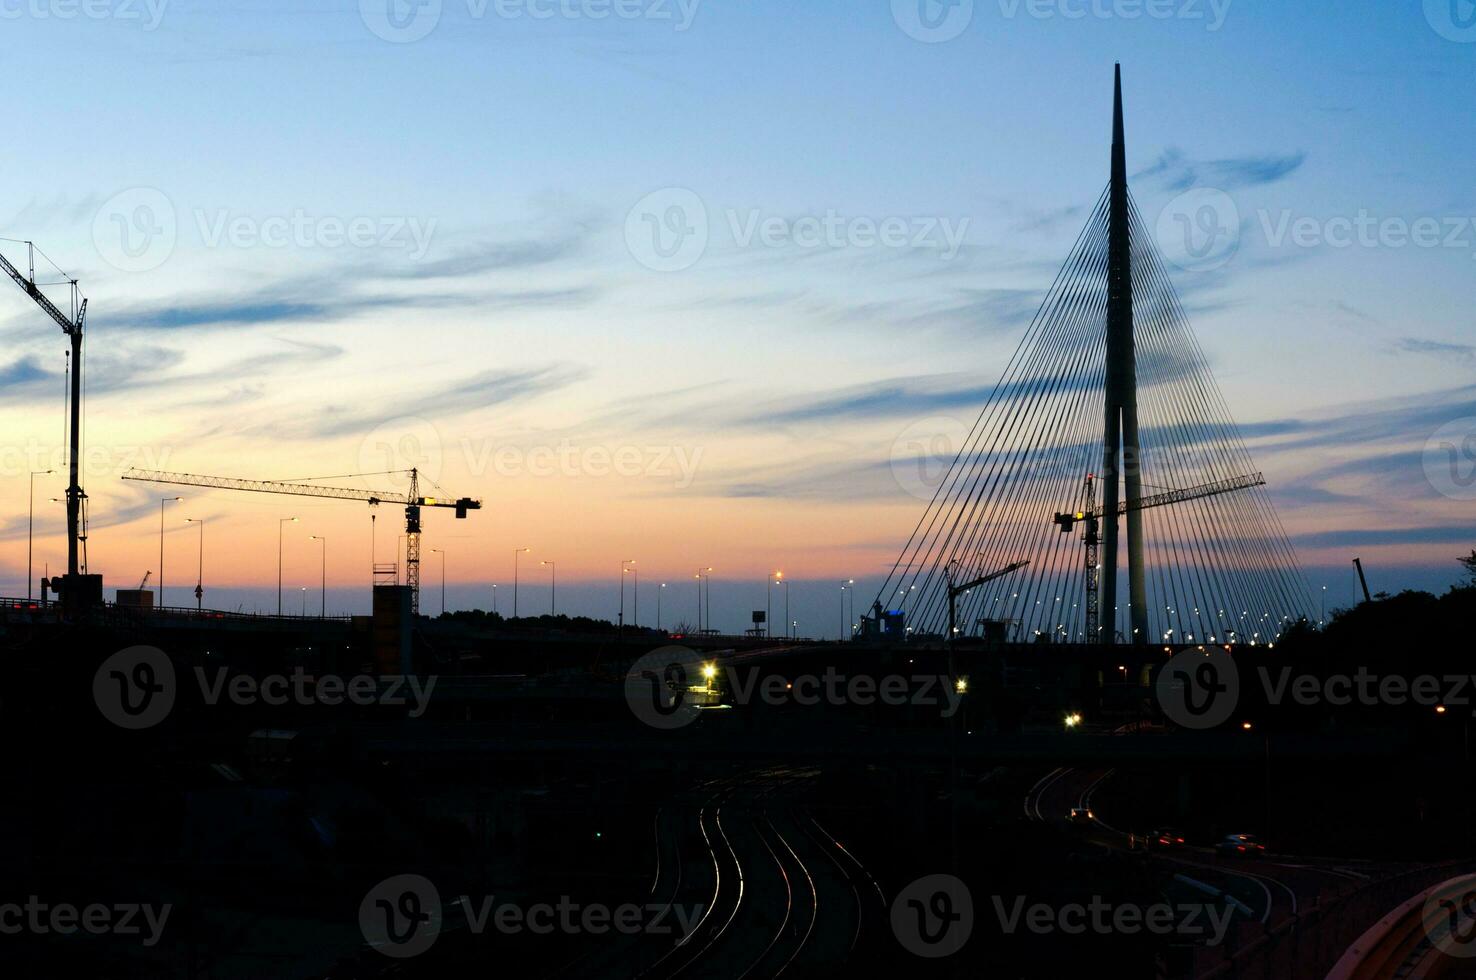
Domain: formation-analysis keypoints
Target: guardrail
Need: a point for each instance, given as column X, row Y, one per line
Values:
column 1312, row 943
column 1402, row 941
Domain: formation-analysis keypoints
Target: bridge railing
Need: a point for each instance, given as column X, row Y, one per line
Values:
column 1310, row 943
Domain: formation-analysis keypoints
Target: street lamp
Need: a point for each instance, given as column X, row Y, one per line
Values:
column 658, row 606
column 30, row 526
column 323, row 584
column 516, row 553
column 304, row 591
column 769, row 602
column 698, row 576
column 280, row 522
column 846, row 586
column 553, row 585
column 707, row 580
column 620, row 620
column 200, row 570
column 789, row 630
column 162, row 502
column 494, row 598
column 442, row 553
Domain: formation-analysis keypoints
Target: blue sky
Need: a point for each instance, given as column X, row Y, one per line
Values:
column 502, row 294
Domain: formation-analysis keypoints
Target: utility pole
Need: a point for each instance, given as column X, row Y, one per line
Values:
column 200, row 571
column 553, row 584
column 30, row 528
column 624, row 571
column 442, row 553
column 323, row 575
column 516, row 553
column 280, row 522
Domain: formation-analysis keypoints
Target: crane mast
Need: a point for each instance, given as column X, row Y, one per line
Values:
column 72, row 326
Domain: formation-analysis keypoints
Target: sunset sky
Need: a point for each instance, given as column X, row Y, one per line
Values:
column 694, row 283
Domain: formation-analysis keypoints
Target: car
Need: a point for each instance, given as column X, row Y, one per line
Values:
column 1082, row 815
column 1241, row 846
column 1166, row 837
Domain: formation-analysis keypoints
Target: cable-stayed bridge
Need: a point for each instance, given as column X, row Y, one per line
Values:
column 1105, row 437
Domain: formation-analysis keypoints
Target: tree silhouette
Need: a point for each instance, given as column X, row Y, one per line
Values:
column 1469, row 564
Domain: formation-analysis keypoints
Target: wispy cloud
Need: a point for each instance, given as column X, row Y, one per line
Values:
column 1177, row 172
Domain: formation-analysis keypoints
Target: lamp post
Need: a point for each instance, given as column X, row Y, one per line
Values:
column 624, row 571
column 658, row 606
column 635, row 597
column 162, row 502
column 553, row 585
column 442, row 553
column 698, row 576
column 769, row 602
column 707, row 580
column 200, row 570
column 494, row 598
column 30, row 527
column 845, row 588
column 516, row 553
column 323, row 575
column 304, row 591
column 280, row 522
column 789, row 627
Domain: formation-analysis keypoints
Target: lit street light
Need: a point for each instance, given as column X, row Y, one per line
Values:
column 658, row 606
column 553, row 584
column 516, row 553
column 442, row 553
column 200, row 571
column 323, row 573
column 624, row 571
column 280, row 522
column 162, row 502
column 769, row 602
column 847, row 586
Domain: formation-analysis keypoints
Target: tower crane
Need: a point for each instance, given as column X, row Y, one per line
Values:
column 412, row 500
column 74, row 594
column 1090, row 516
